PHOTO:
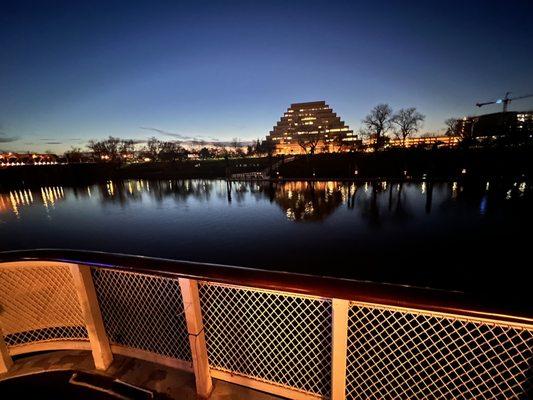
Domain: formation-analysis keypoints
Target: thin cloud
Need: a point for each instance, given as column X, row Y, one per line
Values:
column 229, row 143
column 195, row 140
column 7, row 139
column 163, row 132
column 4, row 138
column 53, row 142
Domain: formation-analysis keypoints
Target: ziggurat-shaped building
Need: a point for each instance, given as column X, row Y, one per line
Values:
column 305, row 125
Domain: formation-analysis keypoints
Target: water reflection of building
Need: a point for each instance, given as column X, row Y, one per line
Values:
column 15, row 200
column 377, row 202
column 308, row 201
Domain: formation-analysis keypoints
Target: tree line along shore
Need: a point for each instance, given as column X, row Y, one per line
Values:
column 431, row 164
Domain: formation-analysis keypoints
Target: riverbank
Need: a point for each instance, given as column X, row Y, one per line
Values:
column 404, row 164
column 95, row 172
column 439, row 164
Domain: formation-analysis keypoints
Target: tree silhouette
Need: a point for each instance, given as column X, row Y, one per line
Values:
column 377, row 123
column 407, row 121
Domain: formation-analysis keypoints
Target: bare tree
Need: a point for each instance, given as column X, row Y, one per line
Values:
column 126, row 147
column 297, row 129
column 153, row 148
column 112, row 145
column 236, row 144
column 341, row 142
column 205, row 153
column 171, row 151
column 307, row 136
column 407, row 122
column 73, row 155
column 107, row 149
column 97, row 148
column 158, row 150
column 308, row 141
column 267, row 147
column 313, row 141
column 452, row 127
column 377, row 123
column 251, row 149
column 463, row 129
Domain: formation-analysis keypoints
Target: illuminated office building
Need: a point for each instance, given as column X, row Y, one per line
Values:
column 310, row 128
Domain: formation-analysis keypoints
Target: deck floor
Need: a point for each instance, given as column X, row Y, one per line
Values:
column 169, row 383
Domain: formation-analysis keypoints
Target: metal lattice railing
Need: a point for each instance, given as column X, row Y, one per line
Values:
column 281, row 342
column 143, row 311
column 39, row 304
column 275, row 337
column 397, row 354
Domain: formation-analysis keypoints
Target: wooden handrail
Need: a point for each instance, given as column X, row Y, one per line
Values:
column 425, row 299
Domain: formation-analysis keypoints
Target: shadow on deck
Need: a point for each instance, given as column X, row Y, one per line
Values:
column 164, row 382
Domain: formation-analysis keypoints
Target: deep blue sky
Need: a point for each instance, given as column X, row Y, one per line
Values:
column 71, row 72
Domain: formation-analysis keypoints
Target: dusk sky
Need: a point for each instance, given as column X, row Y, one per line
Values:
column 70, row 73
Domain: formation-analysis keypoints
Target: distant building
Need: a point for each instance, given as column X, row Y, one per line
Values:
column 511, row 125
column 430, row 141
column 16, row 159
column 310, row 128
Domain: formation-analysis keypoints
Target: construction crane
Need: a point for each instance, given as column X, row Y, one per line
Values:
column 505, row 101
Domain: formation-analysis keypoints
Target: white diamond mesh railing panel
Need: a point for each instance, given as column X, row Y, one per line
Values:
column 396, row 354
column 39, row 304
column 143, row 311
column 273, row 337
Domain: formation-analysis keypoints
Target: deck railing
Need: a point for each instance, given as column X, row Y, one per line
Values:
column 296, row 336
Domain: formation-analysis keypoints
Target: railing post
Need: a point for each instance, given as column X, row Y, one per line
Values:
column 195, row 328
column 83, row 282
column 5, row 359
column 339, row 344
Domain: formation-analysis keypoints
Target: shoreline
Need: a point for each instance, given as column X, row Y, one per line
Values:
column 401, row 166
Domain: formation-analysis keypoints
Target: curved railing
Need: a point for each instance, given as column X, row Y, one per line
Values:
column 293, row 335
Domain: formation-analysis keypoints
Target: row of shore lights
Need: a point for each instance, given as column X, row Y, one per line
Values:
column 14, row 164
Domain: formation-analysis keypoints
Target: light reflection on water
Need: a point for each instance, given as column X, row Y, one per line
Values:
column 389, row 231
column 299, row 200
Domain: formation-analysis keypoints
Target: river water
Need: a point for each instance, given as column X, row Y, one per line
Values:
column 450, row 235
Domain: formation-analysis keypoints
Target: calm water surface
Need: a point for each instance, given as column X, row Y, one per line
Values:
column 449, row 235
